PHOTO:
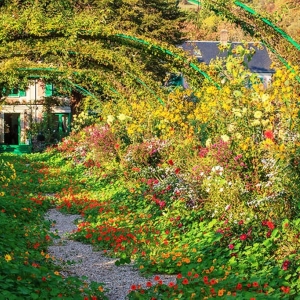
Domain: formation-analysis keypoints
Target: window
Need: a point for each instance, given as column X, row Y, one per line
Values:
column 17, row 93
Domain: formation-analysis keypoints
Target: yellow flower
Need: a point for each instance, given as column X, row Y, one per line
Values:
column 258, row 114
column 199, row 259
column 100, row 288
column 8, row 257
column 255, row 123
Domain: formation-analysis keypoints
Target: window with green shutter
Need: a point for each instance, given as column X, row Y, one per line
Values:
column 17, row 93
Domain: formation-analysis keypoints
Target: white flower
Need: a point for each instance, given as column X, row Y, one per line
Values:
column 231, row 127
column 236, row 112
column 238, row 136
column 123, row 117
column 110, row 119
column 208, row 142
column 225, row 137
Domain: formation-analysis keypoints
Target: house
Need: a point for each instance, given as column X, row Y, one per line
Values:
column 23, row 116
column 206, row 51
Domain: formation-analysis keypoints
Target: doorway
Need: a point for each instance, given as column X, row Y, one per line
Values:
column 11, row 129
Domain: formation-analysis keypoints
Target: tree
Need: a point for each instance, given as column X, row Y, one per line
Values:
column 88, row 43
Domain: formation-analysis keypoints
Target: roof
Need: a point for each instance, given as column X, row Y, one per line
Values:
column 205, row 51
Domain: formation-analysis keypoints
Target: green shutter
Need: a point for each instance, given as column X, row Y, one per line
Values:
column 48, row 90
column 14, row 93
column 22, row 93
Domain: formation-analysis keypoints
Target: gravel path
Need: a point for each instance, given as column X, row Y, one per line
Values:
column 94, row 265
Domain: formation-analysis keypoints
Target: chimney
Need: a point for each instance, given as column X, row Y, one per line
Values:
column 224, row 36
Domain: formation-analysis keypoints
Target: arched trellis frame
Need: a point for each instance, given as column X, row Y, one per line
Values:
column 137, row 43
column 213, row 5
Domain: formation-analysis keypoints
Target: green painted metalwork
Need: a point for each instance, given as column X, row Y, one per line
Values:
column 194, row 2
column 268, row 22
column 277, row 29
column 168, row 52
column 86, row 92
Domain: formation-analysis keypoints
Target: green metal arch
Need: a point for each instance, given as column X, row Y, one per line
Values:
column 273, row 26
column 88, row 93
column 266, row 21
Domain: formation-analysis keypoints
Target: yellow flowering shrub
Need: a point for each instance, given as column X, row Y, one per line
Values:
column 7, row 173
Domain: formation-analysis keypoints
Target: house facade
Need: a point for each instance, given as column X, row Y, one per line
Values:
column 206, row 51
column 23, row 113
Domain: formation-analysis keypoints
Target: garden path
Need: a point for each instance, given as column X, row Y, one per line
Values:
column 95, row 265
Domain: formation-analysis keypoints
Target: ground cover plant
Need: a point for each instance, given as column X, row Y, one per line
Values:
column 205, row 187
column 27, row 270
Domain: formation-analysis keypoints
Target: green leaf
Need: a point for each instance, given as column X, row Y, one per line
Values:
column 274, row 233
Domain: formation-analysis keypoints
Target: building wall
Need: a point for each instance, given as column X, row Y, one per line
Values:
column 28, row 106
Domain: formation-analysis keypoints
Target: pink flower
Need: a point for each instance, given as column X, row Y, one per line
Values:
column 243, row 237
column 230, row 246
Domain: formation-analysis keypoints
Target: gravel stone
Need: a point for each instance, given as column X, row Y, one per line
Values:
column 95, row 265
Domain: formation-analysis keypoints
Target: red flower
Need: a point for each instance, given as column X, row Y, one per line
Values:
column 156, row 278
column 269, row 134
column 149, row 284
column 239, row 286
column 243, row 237
column 270, row 225
column 255, row 284
column 230, row 246
column 133, row 287
column 185, row 281
column 171, row 284
column 177, row 171
column 179, row 276
column 94, row 297
column 285, row 265
column 170, row 162
column 213, row 281
column 285, row 289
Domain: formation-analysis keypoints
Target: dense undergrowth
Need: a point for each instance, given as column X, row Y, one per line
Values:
column 27, row 271
column 205, row 187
